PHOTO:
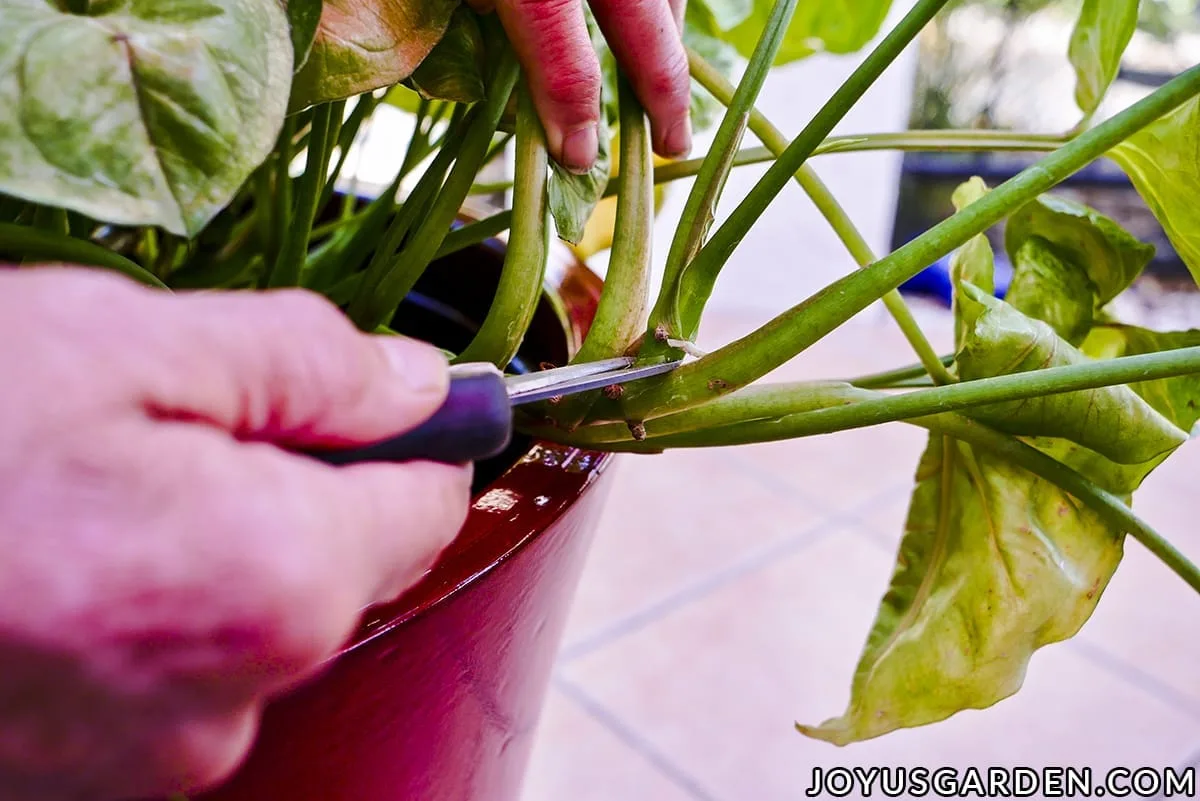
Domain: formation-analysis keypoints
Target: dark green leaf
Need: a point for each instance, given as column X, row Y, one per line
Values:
column 363, row 45
column 974, row 262
column 1101, row 34
column 303, row 17
column 836, row 26
column 178, row 104
column 1177, row 399
column 1163, row 162
column 1113, row 421
column 453, row 70
column 995, row 563
column 1069, row 262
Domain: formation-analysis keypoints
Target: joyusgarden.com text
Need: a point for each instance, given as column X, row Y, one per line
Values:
column 994, row 782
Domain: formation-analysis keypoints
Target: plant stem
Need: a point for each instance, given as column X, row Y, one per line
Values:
column 713, row 256
column 500, row 336
column 890, row 378
column 475, row 233
column 667, row 312
column 620, row 315
column 830, row 209
column 382, row 292
column 346, row 136
column 281, row 216
column 756, row 354
column 290, row 261
column 787, row 411
column 34, row 243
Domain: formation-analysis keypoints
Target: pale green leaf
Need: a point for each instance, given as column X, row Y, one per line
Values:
column 836, row 26
column 572, row 198
column 721, row 15
column 702, row 34
column 1163, row 162
column 1101, row 35
column 994, row 564
column 1110, row 256
column 453, row 70
column 974, row 262
column 1052, row 290
column 363, row 45
column 1113, row 421
column 1177, row 399
column 178, row 103
column 303, row 18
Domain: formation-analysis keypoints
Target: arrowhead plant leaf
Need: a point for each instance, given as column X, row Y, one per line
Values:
column 1100, row 37
column 178, row 103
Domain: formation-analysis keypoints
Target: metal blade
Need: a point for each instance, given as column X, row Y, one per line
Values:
column 557, row 375
column 572, row 384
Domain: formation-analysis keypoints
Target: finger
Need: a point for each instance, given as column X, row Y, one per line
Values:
column 288, row 367
column 551, row 40
column 645, row 38
column 293, row 550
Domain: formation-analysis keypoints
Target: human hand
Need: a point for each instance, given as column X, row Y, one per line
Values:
column 166, row 567
column 551, row 40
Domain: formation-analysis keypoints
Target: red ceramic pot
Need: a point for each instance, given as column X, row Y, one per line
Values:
column 437, row 696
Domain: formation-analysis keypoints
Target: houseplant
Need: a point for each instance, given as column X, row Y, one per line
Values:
column 1043, row 422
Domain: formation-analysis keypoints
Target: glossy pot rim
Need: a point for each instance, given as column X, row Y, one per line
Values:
column 528, row 497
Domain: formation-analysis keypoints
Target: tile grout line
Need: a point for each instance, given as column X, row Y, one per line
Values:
column 1135, row 676
column 623, row 732
column 697, row 589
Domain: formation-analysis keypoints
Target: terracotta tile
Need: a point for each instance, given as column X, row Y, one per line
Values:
column 673, row 520
column 715, row 685
column 575, row 758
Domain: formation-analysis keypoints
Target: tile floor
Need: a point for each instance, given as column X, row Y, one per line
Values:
column 729, row 592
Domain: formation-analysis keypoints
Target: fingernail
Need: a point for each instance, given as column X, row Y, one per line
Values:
column 423, row 368
column 678, row 141
column 579, row 148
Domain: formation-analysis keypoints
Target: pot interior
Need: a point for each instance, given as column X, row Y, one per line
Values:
column 446, row 308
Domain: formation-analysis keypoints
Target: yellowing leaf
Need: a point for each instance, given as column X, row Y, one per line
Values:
column 994, row 564
column 1112, row 421
column 974, row 262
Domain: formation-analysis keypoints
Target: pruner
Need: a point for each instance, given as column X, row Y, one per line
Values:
column 476, row 419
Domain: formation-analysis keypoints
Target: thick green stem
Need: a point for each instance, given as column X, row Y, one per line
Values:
column 900, row 375
column 666, row 317
column 508, row 318
column 346, row 136
column 756, row 354
column 475, row 233
column 290, row 262
column 384, row 290
column 620, row 314
column 830, row 209
column 786, row 411
column 20, row 241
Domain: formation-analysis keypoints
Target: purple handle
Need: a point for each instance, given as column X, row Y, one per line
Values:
column 474, row 423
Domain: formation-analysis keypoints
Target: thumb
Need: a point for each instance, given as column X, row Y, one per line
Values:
column 288, row 367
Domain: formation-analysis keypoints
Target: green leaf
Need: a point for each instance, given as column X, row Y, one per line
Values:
column 453, row 70
column 1069, row 262
column 1163, row 162
column 363, row 45
column 303, row 17
column 573, row 198
column 720, row 15
column 178, row 103
column 1177, row 399
column 994, row 564
column 838, row 26
column 974, row 262
column 1113, row 421
column 1100, row 37
column 702, row 34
